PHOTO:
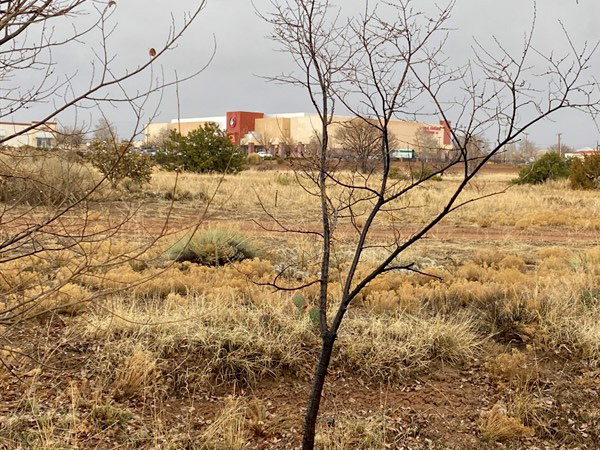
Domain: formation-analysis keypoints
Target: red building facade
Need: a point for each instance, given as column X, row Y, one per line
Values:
column 240, row 123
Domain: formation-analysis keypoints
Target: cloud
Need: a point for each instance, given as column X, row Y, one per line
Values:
column 244, row 53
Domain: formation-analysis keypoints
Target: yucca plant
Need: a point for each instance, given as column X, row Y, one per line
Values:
column 214, row 247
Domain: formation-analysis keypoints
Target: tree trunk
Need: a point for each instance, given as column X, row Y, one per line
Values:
column 314, row 401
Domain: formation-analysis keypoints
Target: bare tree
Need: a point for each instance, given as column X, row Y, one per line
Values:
column 561, row 150
column 105, row 131
column 427, row 146
column 389, row 63
column 47, row 200
column 476, row 147
column 528, row 149
column 361, row 141
column 287, row 145
column 70, row 138
column 264, row 140
column 161, row 139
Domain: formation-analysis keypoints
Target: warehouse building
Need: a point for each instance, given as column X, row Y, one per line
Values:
column 40, row 136
column 290, row 134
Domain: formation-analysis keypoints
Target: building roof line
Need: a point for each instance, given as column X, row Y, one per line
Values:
column 27, row 123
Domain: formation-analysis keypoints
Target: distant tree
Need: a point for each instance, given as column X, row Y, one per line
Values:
column 585, row 173
column 427, row 145
column 264, row 140
column 105, row 131
column 527, row 149
column 205, row 149
column 509, row 153
column 476, row 148
column 361, row 140
column 70, row 138
column 161, row 139
column 549, row 167
column 564, row 148
column 287, row 145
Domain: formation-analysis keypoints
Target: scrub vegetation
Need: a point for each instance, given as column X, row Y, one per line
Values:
column 187, row 344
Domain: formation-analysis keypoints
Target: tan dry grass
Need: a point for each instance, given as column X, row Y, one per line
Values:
column 231, row 341
column 497, row 425
column 229, row 430
column 391, row 348
column 353, row 432
column 522, row 206
column 135, row 374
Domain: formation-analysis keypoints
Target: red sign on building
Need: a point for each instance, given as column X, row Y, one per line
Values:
column 240, row 123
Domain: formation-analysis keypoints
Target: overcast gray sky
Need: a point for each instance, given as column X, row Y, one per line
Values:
column 232, row 81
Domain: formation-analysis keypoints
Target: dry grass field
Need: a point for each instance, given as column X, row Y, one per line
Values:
column 501, row 350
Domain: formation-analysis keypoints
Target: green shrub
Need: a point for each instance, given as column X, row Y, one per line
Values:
column 585, row 174
column 253, row 159
column 214, row 247
column 205, row 149
column 121, row 162
column 106, row 416
column 549, row 167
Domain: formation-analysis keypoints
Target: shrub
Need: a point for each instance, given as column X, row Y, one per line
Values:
column 106, row 416
column 425, row 172
column 205, row 149
column 253, row 159
column 135, row 374
column 215, row 247
column 585, row 174
column 44, row 180
column 117, row 163
column 549, row 167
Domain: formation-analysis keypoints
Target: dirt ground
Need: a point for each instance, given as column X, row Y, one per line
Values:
column 440, row 408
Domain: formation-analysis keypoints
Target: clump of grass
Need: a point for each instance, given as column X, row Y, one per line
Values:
column 135, row 374
column 392, row 348
column 497, row 425
column 226, row 341
column 285, row 179
column 44, row 179
column 396, row 173
column 253, row 159
column 516, row 367
column 107, row 415
column 69, row 299
column 425, row 172
column 348, row 431
column 215, row 247
column 228, row 430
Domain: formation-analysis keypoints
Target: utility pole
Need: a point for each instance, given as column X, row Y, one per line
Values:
column 559, row 147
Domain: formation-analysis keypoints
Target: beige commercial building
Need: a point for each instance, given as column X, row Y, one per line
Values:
column 295, row 131
column 40, row 136
column 155, row 131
